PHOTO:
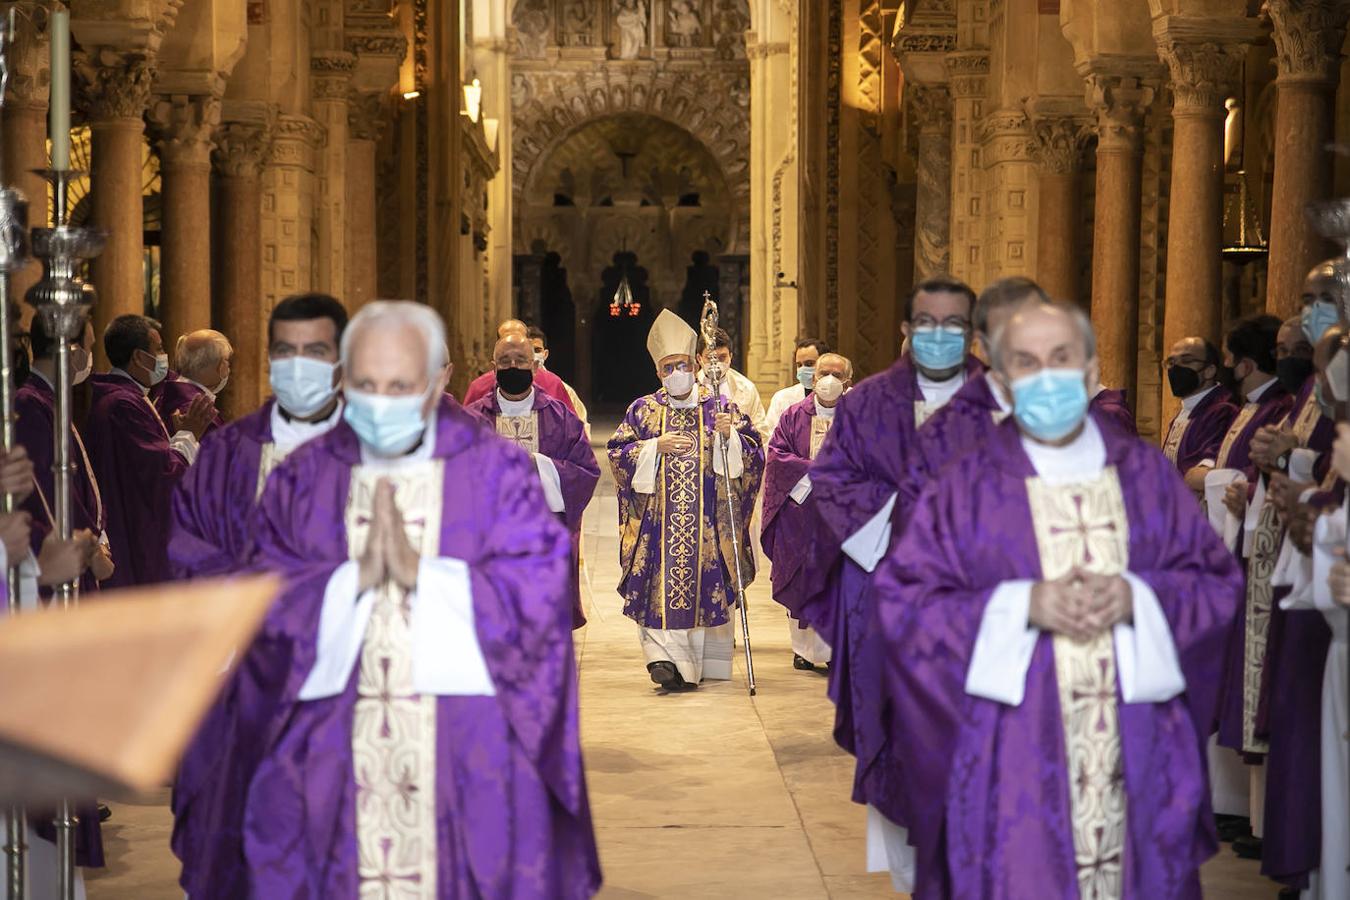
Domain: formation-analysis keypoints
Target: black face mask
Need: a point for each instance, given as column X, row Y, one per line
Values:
column 515, row 381
column 1182, row 381
column 1293, row 371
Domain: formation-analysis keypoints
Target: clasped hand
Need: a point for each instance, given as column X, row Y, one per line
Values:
column 388, row 555
column 1270, row 443
column 1081, row 604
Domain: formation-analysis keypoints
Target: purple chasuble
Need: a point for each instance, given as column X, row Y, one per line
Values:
column 1205, row 429
column 174, row 396
column 560, row 436
column 214, row 504
column 1111, row 403
column 1269, row 409
column 277, row 815
column 675, row 545
column 785, row 534
column 137, row 471
column 988, row 792
column 867, row 458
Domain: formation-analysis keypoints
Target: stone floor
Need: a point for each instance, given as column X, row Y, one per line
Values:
column 705, row 795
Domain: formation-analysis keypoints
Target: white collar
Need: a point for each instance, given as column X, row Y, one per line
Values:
column 419, row 454
column 687, row 403
column 997, row 390
column 825, row 412
column 1255, row 395
column 122, row 373
column 937, row 393
column 515, row 407
column 291, row 433
column 1081, row 460
column 1190, row 403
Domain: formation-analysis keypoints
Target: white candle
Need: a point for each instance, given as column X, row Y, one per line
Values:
column 59, row 115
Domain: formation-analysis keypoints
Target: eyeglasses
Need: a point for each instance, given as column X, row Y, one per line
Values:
column 951, row 323
column 671, row 368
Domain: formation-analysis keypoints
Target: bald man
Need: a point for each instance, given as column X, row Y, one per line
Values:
column 202, row 361
column 544, row 380
column 1207, row 408
column 552, row 435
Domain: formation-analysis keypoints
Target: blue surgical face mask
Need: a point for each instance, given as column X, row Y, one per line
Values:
column 938, row 349
column 1317, row 317
column 387, row 425
column 302, row 386
column 1050, row 404
column 806, row 377
column 161, row 369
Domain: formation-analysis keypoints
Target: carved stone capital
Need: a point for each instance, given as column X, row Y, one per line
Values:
column 377, row 42
column 29, row 78
column 184, row 128
column 1058, row 142
column 967, row 73
column 1308, row 39
column 1120, row 103
column 114, row 85
column 241, row 148
column 330, row 74
column 367, row 115
column 930, row 108
column 295, row 141
column 1204, row 73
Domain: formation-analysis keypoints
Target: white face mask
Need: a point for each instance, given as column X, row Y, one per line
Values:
column 388, row 425
column 220, row 387
column 161, row 369
column 829, row 388
column 539, row 358
column 302, row 386
column 678, row 383
column 82, row 374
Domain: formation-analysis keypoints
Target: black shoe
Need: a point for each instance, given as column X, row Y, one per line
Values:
column 104, row 814
column 1247, row 847
column 1231, row 828
column 802, row 664
column 663, row 673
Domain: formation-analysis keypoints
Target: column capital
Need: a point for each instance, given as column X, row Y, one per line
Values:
column 241, row 148
column 330, row 74
column 115, row 84
column 930, row 107
column 1058, row 142
column 367, row 115
column 1308, row 39
column 1120, row 103
column 967, row 73
column 183, row 126
column 1204, row 58
column 295, row 142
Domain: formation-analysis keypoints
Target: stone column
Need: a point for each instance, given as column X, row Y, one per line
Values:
column 237, row 309
column 24, row 131
column 931, row 107
column 116, row 87
column 1059, row 152
column 1120, row 102
column 330, row 80
column 365, row 120
column 1308, row 39
column 968, row 77
column 183, row 127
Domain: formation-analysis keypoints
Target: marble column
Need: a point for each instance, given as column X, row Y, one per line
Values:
column 24, row 135
column 1058, row 147
column 931, row 108
column 116, row 87
column 237, row 309
column 330, row 79
column 1203, row 73
column 183, row 127
column 1119, row 102
column 1308, row 38
column 365, row 120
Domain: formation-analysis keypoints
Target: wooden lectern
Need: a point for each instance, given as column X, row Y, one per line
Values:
column 100, row 700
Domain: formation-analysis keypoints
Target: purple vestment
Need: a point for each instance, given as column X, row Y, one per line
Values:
column 214, row 504
column 136, row 471
column 785, row 533
column 1272, row 406
column 688, row 508
column 562, row 438
column 866, row 459
column 1205, row 428
column 271, row 813
column 987, row 798
column 1111, row 403
column 174, row 396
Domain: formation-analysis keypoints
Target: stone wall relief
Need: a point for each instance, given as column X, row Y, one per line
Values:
column 630, row 23
column 630, row 29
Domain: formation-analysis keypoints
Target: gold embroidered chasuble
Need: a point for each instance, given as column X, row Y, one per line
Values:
column 1244, row 416
column 1266, row 541
column 523, row 431
column 1175, row 435
column 394, row 727
column 820, row 427
column 1084, row 524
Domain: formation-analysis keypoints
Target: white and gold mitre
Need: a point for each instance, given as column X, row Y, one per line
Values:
column 671, row 336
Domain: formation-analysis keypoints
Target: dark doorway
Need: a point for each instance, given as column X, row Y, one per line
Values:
column 622, row 369
column 558, row 318
column 699, row 277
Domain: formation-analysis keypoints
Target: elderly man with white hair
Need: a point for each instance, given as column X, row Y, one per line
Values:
column 407, row 717
column 1055, row 615
column 202, row 361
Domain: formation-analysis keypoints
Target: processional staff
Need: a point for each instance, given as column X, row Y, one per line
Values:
column 63, row 301
column 716, row 375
